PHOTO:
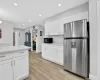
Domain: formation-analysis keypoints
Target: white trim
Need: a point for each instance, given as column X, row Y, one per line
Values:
column 92, row 77
column 52, row 61
column 98, row 38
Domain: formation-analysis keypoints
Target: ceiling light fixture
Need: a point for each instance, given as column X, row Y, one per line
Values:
column 23, row 24
column 40, row 15
column 59, row 5
column 0, row 22
column 15, row 4
column 30, row 21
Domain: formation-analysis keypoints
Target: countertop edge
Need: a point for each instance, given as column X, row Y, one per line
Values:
column 14, row 50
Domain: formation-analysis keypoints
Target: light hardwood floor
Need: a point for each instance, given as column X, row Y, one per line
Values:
column 41, row 69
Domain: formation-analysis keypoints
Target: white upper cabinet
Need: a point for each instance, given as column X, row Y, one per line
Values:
column 54, row 28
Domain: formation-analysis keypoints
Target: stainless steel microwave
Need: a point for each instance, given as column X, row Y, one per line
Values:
column 48, row 40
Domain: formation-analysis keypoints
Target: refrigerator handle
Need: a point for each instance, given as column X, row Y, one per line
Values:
column 84, row 28
column 72, row 29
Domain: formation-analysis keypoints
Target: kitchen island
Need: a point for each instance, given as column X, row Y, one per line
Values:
column 14, row 62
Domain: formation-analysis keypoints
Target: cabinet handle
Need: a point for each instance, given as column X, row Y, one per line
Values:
column 2, row 56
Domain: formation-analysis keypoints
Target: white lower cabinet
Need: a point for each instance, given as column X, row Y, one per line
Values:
column 15, row 68
column 50, row 53
column 21, row 67
column 53, row 53
column 6, row 70
column 60, row 55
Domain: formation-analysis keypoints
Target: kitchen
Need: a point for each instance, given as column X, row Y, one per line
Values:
column 54, row 52
column 57, row 50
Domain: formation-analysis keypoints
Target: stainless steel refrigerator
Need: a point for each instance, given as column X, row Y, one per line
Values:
column 76, row 50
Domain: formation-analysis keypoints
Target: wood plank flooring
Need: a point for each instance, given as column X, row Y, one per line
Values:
column 41, row 69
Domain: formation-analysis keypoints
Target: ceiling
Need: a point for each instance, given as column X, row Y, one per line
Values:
column 33, row 12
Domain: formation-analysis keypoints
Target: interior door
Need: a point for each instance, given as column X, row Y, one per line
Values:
column 21, row 67
column 6, row 70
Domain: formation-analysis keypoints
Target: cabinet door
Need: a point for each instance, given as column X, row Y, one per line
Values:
column 60, row 55
column 54, row 27
column 43, row 50
column 21, row 67
column 51, row 53
column 6, row 70
column 48, row 29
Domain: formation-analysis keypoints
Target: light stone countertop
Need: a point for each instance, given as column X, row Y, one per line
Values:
column 13, row 48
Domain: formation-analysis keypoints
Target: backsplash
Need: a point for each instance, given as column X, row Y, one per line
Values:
column 57, row 39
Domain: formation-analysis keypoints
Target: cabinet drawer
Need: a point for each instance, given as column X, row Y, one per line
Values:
column 5, row 56
column 20, row 53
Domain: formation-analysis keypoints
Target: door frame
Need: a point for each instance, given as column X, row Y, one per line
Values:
column 98, row 38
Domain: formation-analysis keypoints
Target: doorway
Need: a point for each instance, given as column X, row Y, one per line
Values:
column 34, row 36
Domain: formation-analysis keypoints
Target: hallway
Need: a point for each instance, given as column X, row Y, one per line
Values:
column 41, row 69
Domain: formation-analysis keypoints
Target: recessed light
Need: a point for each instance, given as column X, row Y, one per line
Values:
column 15, row 4
column 40, row 15
column 23, row 24
column 19, row 26
column 30, row 21
column 59, row 5
column 0, row 22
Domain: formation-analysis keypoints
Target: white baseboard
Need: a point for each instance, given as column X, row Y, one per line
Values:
column 92, row 77
column 52, row 61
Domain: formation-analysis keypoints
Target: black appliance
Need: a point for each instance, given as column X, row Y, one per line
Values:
column 48, row 40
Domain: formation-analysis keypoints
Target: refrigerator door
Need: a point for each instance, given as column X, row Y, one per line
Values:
column 68, row 30
column 76, row 56
column 76, row 29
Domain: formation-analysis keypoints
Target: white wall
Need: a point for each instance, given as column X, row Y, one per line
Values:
column 95, row 40
column 93, row 37
column 98, row 40
column 19, row 36
column 22, row 37
column 39, row 39
column 7, row 33
column 81, row 8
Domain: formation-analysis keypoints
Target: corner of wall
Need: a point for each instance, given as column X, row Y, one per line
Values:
column 92, row 77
